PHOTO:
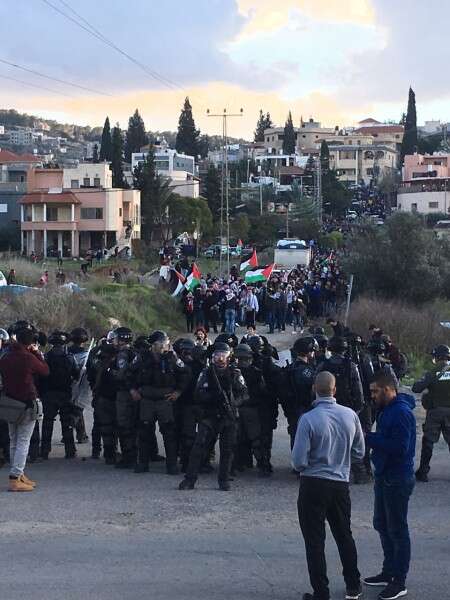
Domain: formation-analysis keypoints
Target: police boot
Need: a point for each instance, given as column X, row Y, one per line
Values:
column 170, row 445
column 142, row 460
column 264, row 468
column 425, row 458
column 70, row 450
column 109, row 453
column 186, row 484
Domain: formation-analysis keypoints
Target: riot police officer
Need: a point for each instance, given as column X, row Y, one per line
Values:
column 57, row 394
column 126, row 414
column 220, row 390
column 249, row 411
column 299, row 375
column 157, row 380
column 436, row 402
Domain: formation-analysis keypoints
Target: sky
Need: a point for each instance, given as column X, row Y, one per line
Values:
column 337, row 61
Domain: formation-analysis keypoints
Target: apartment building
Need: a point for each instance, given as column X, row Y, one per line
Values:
column 64, row 213
column 425, row 186
column 362, row 163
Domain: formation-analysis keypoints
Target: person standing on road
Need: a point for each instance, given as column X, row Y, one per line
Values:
column 393, row 448
column 18, row 368
column 436, row 402
column 327, row 438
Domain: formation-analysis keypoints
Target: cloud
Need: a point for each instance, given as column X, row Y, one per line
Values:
column 267, row 16
column 160, row 108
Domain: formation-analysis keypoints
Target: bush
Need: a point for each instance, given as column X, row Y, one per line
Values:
column 414, row 330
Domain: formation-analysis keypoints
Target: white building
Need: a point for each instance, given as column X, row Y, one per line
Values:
column 86, row 175
column 21, row 137
column 180, row 168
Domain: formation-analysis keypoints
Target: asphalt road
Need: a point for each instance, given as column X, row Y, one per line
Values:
column 92, row 532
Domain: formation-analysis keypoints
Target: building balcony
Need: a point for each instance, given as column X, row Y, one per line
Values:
column 49, row 225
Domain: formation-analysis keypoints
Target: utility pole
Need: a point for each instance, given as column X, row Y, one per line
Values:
column 224, row 116
column 318, row 187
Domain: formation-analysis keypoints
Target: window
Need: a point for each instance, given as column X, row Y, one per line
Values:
column 87, row 182
column 369, row 171
column 92, row 213
column 3, row 208
column 414, row 207
column 52, row 213
column 433, row 204
column 120, row 212
column 74, row 183
column 97, row 182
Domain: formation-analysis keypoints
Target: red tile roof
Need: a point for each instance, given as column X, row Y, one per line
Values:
column 46, row 198
column 380, row 129
column 9, row 157
column 369, row 120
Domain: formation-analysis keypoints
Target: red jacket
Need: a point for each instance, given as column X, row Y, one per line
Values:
column 18, row 368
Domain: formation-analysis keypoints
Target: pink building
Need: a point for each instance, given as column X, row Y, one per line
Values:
column 421, row 166
column 72, row 220
column 426, row 184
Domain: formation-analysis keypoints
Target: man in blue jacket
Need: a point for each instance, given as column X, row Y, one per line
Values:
column 393, row 448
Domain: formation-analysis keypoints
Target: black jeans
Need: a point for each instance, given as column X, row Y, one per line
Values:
column 320, row 500
column 390, row 519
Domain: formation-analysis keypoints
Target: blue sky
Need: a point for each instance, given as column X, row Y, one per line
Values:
column 335, row 60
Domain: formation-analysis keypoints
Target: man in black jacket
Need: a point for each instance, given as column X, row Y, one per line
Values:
column 220, row 390
column 57, row 394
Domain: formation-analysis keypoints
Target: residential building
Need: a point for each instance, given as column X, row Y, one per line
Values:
column 70, row 221
column 362, row 164
column 425, row 186
column 385, row 134
column 22, row 136
column 180, row 168
column 88, row 175
column 306, row 137
column 432, row 128
column 14, row 170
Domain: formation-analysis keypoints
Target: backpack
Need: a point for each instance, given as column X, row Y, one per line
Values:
column 343, row 374
column 61, row 368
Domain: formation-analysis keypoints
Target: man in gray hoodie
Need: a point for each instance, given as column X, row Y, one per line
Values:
column 328, row 437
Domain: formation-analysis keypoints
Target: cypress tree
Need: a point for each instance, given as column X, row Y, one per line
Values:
column 95, row 153
column 188, row 136
column 136, row 136
column 118, row 180
column 260, row 127
column 106, row 144
column 324, row 156
column 213, row 190
column 409, row 143
column 289, row 136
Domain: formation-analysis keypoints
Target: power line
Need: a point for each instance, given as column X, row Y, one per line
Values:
column 76, row 85
column 41, row 87
column 89, row 28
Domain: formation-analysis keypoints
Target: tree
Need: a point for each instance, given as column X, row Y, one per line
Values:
column 136, row 136
column 336, row 197
column 240, row 227
column 188, row 136
column 155, row 196
column 289, row 136
column 213, row 191
column 106, row 143
column 409, row 143
column 188, row 214
column 118, row 180
column 264, row 122
column 324, row 156
column 203, row 146
column 95, row 153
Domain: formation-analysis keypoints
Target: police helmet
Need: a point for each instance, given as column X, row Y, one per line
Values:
column 107, row 349
column 58, row 338
column 227, row 338
column 322, row 340
column 338, row 344
column 141, row 343
column 243, row 351
column 79, row 335
column 256, row 343
column 4, row 335
column 305, row 345
column 221, row 347
column 441, row 352
column 158, row 336
column 183, row 345
column 124, row 334
column 111, row 336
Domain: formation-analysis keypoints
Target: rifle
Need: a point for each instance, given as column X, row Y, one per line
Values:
column 226, row 403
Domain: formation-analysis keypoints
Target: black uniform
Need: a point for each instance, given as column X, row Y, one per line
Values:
column 189, row 414
column 126, row 408
column 56, row 393
column 249, row 425
column 219, row 418
column 154, row 377
column 297, row 396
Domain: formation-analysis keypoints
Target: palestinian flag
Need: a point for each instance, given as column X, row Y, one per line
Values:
column 239, row 246
column 259, row 274
column 251, row 263
column 180, row 285
column 193, row 279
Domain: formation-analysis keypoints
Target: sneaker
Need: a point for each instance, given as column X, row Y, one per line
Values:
column 378, row 580
column 421, row 476
column 392, row 591
column 353, row 593
column 17, row 485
